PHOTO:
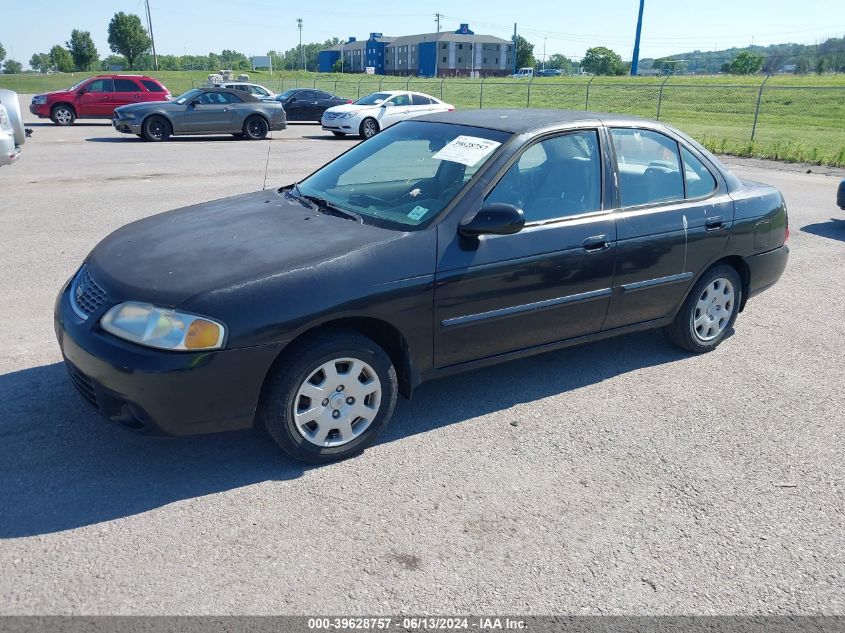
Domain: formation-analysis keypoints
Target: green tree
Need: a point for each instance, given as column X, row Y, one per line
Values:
column 61, row 60
column 2, row 53
column 668, row 66
column 40, row 62
column 12, row 67
column 82, row 49
column 560, row 62
column 524, row 53
column 113, row 61
column 337, row 66
column 746, row 63
column 600, row 60
column 128, row 36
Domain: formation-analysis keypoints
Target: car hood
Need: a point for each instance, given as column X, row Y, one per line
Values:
column 168, row 258
column 56, row 93
column 351, row 107
column 148, row 105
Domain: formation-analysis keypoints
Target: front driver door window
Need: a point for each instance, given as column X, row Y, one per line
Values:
column 547, row 283
column 98, row 99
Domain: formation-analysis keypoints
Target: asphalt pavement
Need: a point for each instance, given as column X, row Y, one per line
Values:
column 622, row 477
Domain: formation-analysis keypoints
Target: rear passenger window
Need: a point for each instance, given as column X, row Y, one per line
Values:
column 420, row 100
column 649, row 167
column 125, row 85
column 152, row 86
column 700, row 182
column 556, row 178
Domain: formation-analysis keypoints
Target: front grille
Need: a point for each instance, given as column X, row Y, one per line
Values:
column 82, row 383
column 331, row 116
column 85, row 294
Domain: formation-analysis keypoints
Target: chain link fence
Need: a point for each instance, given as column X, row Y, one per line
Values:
column 794, row 123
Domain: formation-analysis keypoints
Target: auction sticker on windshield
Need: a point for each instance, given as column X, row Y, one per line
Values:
column 467, row 150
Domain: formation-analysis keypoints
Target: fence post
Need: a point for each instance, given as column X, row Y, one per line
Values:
column 528, row 98
column 481, row 95
column 441, row 88
column 408, row 83
column 757, row 109
column 587, row 102
column 358, row 87
column 660, row 96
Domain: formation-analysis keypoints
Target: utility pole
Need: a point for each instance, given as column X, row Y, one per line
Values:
column 152, row 37
column 544, row 53
column 301, row 52
column 514, row 48
column 437, row 21
column 636, row 60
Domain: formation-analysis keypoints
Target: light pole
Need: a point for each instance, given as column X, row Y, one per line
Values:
column 301, row 51
column 544, row 53
column 342, row 44
column 635, row 62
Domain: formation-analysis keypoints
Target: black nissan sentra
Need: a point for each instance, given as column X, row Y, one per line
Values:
column 442, row 244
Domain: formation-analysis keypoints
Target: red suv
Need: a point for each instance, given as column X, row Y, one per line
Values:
column 97, row 97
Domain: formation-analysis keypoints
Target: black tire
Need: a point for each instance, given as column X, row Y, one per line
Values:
column 683, row 331
column 62, row 114
column 156, row 128
column 256, row 128
column 369, row 128
column 339, row 134
column 279, row 395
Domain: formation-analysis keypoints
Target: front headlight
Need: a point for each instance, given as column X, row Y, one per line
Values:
column 39, row 100
column 126, row 115
column 163, row 328
column 346, row 115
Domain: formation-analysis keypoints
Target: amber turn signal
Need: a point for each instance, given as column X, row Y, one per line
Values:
column 202, row 334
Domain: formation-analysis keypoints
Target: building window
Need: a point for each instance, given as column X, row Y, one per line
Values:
column 444, row 60
column 484, row 61
column 461, row 46
column 460, row 60
column 443, row 46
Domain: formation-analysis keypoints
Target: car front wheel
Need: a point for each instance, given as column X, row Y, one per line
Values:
column 709, row 311
column 369, row 128
column 330, row 397
column 156, row 128
column 63, row 115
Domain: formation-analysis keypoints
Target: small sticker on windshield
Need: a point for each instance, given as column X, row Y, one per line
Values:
column 417, row 212
column 467, row 150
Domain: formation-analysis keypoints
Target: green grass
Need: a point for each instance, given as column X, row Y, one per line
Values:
column 801, row 119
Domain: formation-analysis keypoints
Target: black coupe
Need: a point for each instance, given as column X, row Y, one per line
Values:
column 442, row 244
column 307, row 104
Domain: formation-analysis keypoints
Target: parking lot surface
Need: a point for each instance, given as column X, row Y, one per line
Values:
column 620, row 477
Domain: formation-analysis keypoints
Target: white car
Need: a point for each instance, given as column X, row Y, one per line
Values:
column 12, row 132
column 256, row 90
column 371, row 114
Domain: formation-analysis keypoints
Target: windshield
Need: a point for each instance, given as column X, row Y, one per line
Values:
column 287, row 94
column 406, row 175
column 187, row 96
column 373, row 99
column 78, row 83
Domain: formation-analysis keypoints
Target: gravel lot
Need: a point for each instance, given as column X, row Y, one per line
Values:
column 620, row 477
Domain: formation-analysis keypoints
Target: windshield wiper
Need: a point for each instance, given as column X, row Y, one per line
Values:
column 324, row 205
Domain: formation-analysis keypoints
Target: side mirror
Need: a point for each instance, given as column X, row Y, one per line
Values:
column 195, row 103
column 494, row 219
column 386, row 104
column 292, row 100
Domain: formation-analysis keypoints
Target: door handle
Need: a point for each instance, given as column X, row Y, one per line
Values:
column 225, row 109
column 714, row 224
column 596, row 244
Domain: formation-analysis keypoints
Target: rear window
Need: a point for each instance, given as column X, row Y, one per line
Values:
column 152, row 86
column 420, row 100
column 125, row 85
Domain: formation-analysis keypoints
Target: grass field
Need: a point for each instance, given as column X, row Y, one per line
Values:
column 801, row 118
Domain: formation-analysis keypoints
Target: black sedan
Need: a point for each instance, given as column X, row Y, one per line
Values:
column 443, row 244
column 201, row 111
column 840, row 195
column 307, row 104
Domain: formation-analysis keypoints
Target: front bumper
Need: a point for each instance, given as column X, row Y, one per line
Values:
column 9, row 152
column 159, row 392
column 127, row 126
column 41, row 111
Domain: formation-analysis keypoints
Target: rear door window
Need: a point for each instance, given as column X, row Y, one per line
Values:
column 152, row 86
column 420, row 100
column 125, row 85
column 700, row 182
column 649, row 167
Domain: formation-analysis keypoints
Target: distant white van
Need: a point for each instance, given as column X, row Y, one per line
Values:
column 524, row 73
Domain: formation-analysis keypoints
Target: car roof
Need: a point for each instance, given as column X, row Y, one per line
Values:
column 122, row 76
column 240, row 83
column 524, row 120
column 238, row 93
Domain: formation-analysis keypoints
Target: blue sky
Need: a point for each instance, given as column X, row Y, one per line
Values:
column 256, row 26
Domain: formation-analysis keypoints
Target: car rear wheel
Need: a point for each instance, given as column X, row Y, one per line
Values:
column 709, row 311
column 63, row 114
column 256, row 128
column 369, row 127
column 339, row 134
column 157, row 128
column 330, row 397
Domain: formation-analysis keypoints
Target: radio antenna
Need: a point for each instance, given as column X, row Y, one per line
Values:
column 267, row 163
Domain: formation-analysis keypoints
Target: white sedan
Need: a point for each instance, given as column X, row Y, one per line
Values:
column 371, row 114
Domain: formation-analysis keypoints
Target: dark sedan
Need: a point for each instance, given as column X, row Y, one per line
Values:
column 840, row 195
column 201, row 111
column 307, row 104
column 442, row 244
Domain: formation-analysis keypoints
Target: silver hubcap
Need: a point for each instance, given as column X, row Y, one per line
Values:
column 369, row 129
column 713, row 311
column 63, row 115
column 337, row 402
